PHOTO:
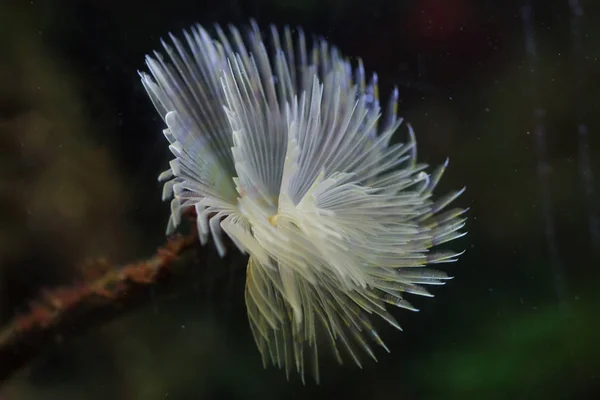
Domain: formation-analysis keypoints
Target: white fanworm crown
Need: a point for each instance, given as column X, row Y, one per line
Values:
column 288, row 152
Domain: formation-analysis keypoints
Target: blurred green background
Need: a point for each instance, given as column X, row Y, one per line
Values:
column 509, row 90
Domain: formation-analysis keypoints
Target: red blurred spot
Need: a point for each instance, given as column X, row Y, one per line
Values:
column 436, row 18
column 454, row 37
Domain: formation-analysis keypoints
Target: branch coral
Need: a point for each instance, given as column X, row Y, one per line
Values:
column 106, row 292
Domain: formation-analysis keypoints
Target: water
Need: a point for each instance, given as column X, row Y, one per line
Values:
column 507, row 89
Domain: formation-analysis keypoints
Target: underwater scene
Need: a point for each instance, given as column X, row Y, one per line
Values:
column 299, row 199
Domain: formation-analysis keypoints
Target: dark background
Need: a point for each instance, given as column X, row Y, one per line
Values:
column 509, row 90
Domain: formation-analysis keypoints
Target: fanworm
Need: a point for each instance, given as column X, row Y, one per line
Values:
column 287, row 150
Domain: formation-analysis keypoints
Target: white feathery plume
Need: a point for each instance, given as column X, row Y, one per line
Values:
column 289, row 154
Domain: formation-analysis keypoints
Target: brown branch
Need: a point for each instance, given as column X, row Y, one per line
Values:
column 62, row 312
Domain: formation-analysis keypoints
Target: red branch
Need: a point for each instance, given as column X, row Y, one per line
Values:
column 102, row 294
